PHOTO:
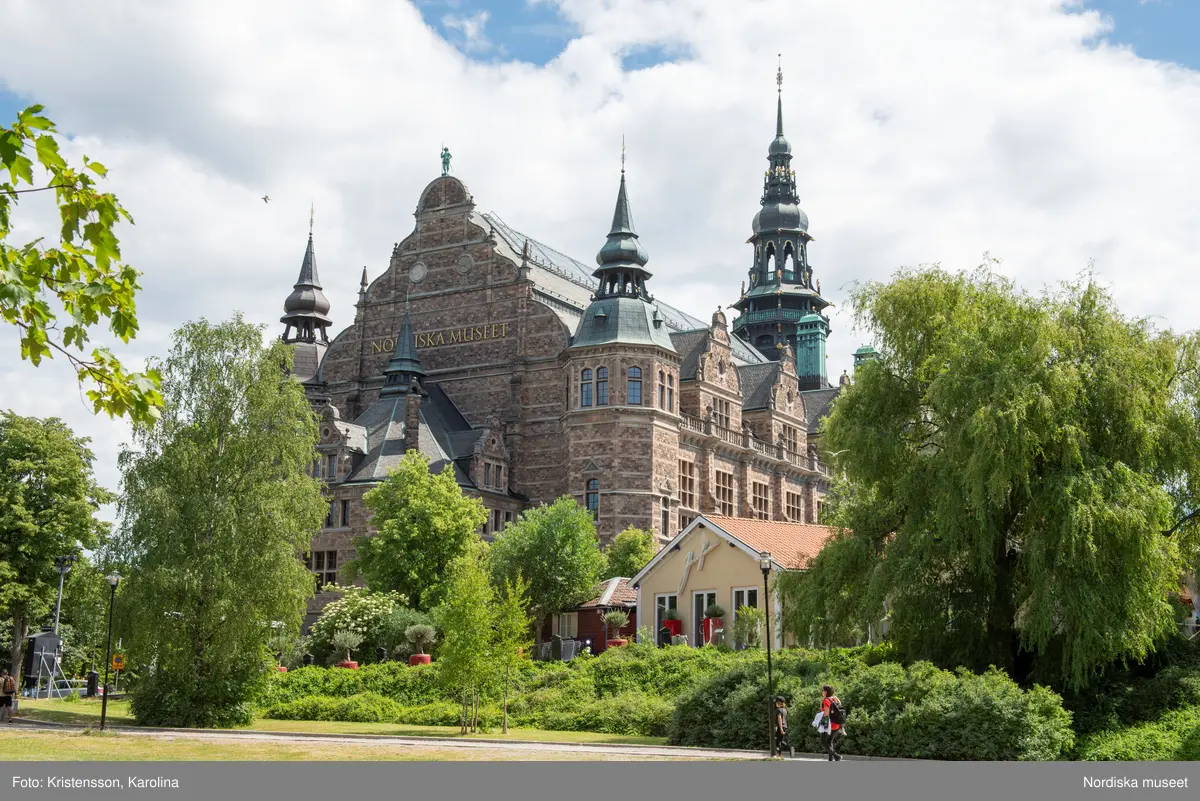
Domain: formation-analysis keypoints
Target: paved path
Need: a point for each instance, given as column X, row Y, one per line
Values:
column 559, row 748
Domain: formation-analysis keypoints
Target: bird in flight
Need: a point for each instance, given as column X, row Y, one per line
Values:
column 266, row 198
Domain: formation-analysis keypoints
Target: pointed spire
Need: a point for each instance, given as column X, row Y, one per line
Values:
column 779, row 100
column 306, row 307
column 363, row 284
column 405, row 367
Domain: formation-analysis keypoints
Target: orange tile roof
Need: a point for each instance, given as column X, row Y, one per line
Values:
column 792, row 545
column 612, row 592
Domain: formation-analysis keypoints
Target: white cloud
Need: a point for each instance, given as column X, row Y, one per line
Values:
column 932, row 130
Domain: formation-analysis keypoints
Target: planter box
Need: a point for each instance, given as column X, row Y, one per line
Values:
column 711, row 624
column 281, row 668
column 347, row 664
column 616, row 643
column 419, row 659
column 673, row 626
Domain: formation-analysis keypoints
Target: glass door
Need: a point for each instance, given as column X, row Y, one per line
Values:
column 700, row 601
column 743, row 597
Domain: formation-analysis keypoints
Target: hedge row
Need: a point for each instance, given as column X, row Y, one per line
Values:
column 1173, row 737
column 917, row 712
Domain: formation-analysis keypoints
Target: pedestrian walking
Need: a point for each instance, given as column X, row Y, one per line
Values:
column 833, row 723
column 8, row 690
column 782, row 743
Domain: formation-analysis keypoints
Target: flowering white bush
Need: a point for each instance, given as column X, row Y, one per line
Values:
column 358, row 610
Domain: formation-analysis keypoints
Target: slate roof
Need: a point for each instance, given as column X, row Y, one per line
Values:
column 621, row 319
column 792, row 545
column 757, row 380
column 816, row 406
column 569, row 284
column 445, row 437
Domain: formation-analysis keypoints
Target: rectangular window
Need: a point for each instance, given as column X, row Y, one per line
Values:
column 497, row 520
column 602, row 386
column 487, row 475
column 795, row 506
column 661, row 604
column 345, row 514
column 500, row 476
column 633, row 386
column 593, row 497
column 746, row 596
column 791, row 438
column 762, row 500
column 662, row 390
column 725, row 495
column 329, row 515
column 670, row 393
column 820, row 512
column 566, row 625
column 323, row 565
column 585, row 388
column 331, row 466
column 701, row 601
column 721, row 412
column 687, row 484
column 665, row 520
column 316, row 469
column 508, row 517
column 685, row 521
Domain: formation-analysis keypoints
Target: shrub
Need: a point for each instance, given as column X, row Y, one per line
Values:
column 359, row 611
column 627, row 713
column 223, row 700
column 1173, row 737
column 360, row 708
column 392, row 632
column 615, row 620
column 420, row 636
column 918, row 712
column 345, row 641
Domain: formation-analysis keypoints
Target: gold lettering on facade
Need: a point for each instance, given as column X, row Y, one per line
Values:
column 453, row 336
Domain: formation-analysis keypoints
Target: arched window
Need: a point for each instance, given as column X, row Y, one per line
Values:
column 601, row 386
column 633, row 386
column 670, row 393
column 662, row 390
column 585, row 388
column 593, row 497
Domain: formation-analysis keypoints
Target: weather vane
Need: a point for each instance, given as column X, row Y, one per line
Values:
column 779, row 74
column 622, row 152
column 312, row 210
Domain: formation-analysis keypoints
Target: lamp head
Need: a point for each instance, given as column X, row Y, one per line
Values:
column 113, row 580
column 764, row 561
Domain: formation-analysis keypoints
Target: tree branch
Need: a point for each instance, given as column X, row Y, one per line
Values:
column 1182, row 522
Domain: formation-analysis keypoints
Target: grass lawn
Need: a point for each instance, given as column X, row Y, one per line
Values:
column 87, row 712
column 18, row 744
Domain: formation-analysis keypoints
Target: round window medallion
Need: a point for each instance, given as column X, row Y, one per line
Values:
column 324, row 432
column 465, row 263
column 418, row 273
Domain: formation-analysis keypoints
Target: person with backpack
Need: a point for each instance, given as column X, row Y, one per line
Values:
column 8, row 689
column 835, row 718
column 782, row 744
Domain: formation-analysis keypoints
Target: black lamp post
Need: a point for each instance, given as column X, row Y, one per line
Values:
column 63, row 565
column 113, row 581
column 764, row 564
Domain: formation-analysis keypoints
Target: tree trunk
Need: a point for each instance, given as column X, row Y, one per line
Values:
column 465, row 711
column 507, row 671
column 474, row 710
column 20, row 630
column 1001, row 629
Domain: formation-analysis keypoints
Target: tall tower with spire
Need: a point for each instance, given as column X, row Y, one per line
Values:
column 781, row 304
column 306, row 321
column 620, row 357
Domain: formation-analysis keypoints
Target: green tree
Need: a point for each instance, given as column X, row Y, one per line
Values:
column 424, row 522
column 358, row 610
column 630, row 551
column 48, row 502
column 85, row 609
column 513, row 638
column 554, row 549
column 83, row 273
column 217, row 506
column 1021, row 478
column 466, row 619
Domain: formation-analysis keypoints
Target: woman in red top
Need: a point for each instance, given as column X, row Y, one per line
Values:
column 831, row 738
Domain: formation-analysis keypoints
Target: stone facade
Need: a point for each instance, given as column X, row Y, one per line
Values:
column 493, row 316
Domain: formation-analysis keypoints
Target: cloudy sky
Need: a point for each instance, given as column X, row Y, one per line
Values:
column 1045, row 132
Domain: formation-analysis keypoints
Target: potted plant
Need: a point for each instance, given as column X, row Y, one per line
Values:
column 714, row 618
column 614, row 621
column 421, row 637
column 346, row 641
column 672, row 623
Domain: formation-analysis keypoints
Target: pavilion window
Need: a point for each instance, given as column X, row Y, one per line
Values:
column 602, row 386
column 593, row 497
column 670, row 393
column 633, row 386
column 662, row 390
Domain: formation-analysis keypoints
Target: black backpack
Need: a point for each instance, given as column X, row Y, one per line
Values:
column 837, row 713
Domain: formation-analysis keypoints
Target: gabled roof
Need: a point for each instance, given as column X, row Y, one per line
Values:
column 791, row 545
column 613, row 592
column 756, row 381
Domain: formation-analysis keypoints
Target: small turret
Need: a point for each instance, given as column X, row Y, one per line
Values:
column 306, row 309
column 404, row 372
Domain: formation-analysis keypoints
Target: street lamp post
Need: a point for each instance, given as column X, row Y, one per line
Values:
column 63, row 565
column 113, row 581
column 764, row 564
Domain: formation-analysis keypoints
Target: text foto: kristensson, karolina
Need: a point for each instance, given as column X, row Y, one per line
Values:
column 88, row 783
column 1131, row 782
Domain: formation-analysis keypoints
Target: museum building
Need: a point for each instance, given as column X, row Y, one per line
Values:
column 532, row 376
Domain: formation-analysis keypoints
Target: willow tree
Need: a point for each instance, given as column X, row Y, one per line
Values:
column 1020, row 478
column 216, row 506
